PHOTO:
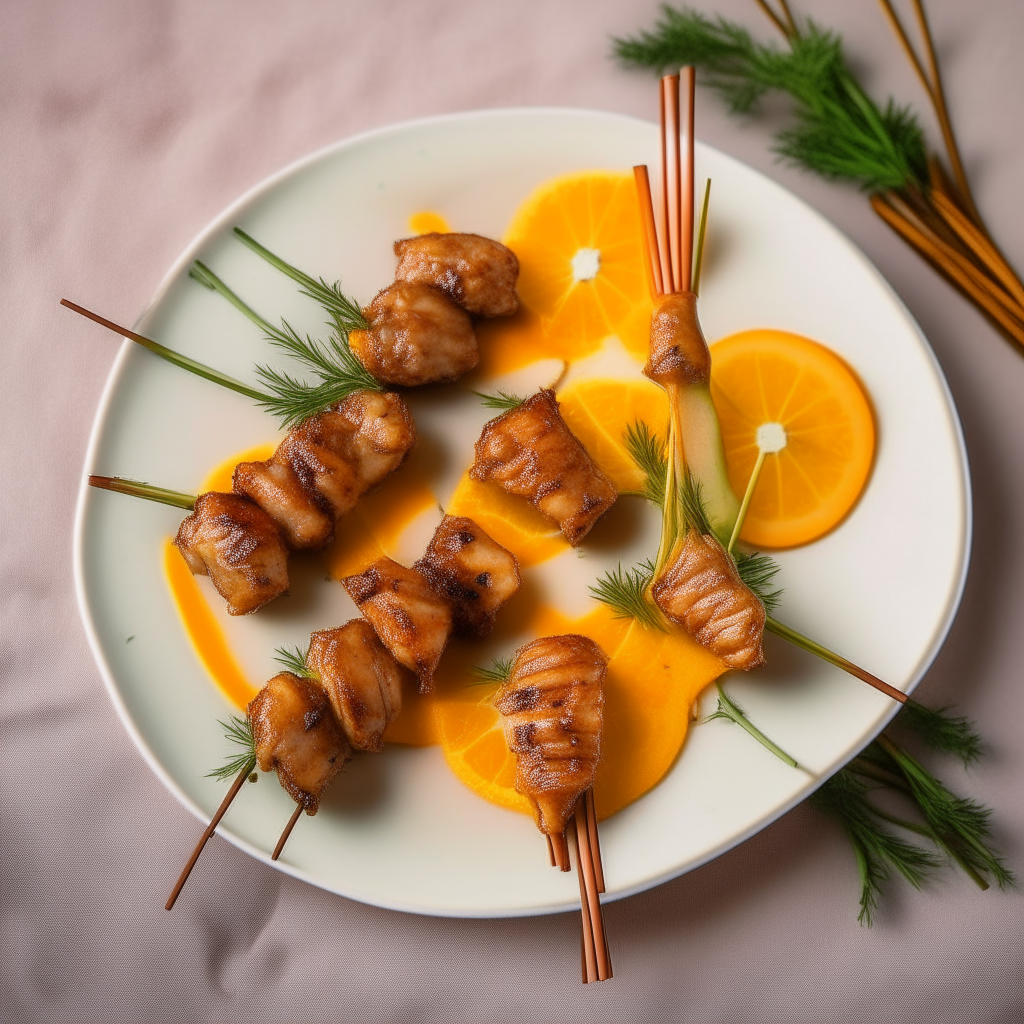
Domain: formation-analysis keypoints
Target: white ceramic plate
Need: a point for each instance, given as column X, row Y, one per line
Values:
column 398, row 830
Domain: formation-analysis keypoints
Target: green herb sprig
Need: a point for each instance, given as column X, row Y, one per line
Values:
column 841, row 134
column 238, row 731
column 337, row 372
column 625, row 591
column 499, row 671
column 500, row 399
column 293, row 659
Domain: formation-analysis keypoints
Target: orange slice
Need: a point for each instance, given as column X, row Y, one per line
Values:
column 653, row 680
column 803, row 396
column 580, row 247
column 598, row 412
column 511, row 520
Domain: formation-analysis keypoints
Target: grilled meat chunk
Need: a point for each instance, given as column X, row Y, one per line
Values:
column 340, row 454
column 297, row 735
column 678, row 353
column 362, row 680
column 417, row 335
column 277, row 489
column 531, row 452
column 702, row 591
column 236, row 544
column 474, row 573
column 553, row 705
column 412, row 621
column 476, row 272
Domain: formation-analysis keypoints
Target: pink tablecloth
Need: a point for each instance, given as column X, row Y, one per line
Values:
column 126, row 127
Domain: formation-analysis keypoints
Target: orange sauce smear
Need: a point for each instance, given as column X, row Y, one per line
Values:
column 371, row 530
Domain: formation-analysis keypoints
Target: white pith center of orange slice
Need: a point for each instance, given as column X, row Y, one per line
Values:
column 585, row 264
column 771, row 437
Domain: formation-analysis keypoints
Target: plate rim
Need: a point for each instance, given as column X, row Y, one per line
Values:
column 264, row 186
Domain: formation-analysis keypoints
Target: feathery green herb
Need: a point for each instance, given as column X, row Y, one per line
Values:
column 238, row 731
column 878, row 850
column 625, row 592
column 758, row 572
column 293, row 659
column 337, row 371
column 647, row 450
column 501, row 399
column 839, row 132
column 942, row 731
column 345, row 313
column 499, row 671
column 732, row 712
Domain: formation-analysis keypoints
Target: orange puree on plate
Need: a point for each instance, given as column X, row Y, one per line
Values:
column 653, row 680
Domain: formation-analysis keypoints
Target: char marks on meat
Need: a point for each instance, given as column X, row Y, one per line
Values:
column 473, row 572
column 553, row 706
column 361, row 678
column 296, row 734
column 476, row 272
column 531, row 452
column 702, row 591
column 412, row 621
column 239, row 546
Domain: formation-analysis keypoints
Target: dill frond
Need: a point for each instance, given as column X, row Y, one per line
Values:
column 345, row 313
column 501, row 399
column 238, row 731
column 959, row 825
column 647, row 451
column 338, row 373
column 625, row 592
column 939, row 730
column 732, row 712
column 839, row 132
column 694, row 512
column 499, row 671
column 293, row 659
column 878, row 850
column 758, row 572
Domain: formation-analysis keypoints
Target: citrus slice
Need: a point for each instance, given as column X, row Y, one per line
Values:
column 580, row 247
column 511, row 520
column 805, row 408
column 599, row 411
column 653, row 680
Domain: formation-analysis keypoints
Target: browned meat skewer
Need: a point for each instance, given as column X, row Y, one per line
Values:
column 553, row 709
column 326, row 463
column 530, row 451
column 362, row 680
column 411, row 619
column 702, row 591
column 472, row 571
column 296, row 734
column 417, row 335
column 239, row 546
column 476, row 272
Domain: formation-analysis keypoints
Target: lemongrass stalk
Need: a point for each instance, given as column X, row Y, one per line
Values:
column 820, row 651
column 139, row 489
column 184, row 362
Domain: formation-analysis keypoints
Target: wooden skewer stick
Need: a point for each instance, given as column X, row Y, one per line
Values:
column 589, row 953
column 652, row 264
column 210, row 829
column 287, row 832
column 551, row 850
column 559, row 852
column 590, row 899
column 672, row 185
column 595, row 843
column 685, row 229
column 663, row 243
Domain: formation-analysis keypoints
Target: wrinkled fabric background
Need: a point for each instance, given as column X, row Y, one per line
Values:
column 126, row 126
